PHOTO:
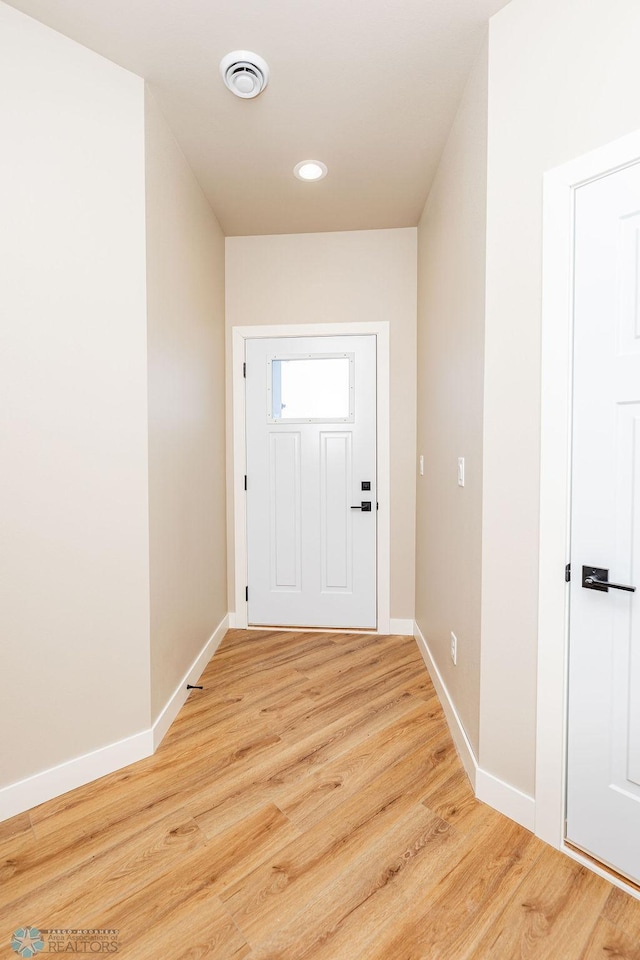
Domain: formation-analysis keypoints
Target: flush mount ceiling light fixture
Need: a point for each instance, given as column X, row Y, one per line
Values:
column 310, row 170
column 244, row 73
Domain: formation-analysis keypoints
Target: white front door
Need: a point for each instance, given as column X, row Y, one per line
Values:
column 311, row 481
column 603, row 785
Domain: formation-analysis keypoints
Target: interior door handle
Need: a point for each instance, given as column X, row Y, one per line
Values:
column 364, row 505
column 596, row 578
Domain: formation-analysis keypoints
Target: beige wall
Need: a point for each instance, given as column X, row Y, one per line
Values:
column 451, row 290
column 74, row 579
column 341, row 278
column 563, row 79
column 185, row 290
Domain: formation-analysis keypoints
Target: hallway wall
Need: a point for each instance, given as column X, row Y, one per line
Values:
column 185, row 320
column 74, row 563
column 451, row 292
column 340, row 278
column 563, row 80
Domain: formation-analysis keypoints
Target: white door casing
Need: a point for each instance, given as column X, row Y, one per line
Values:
column 603, row 771
column 311, row 444
column 560, row 186
column 239, row 336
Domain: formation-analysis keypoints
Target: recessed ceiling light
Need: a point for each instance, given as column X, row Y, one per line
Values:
column 244, row 73
column 310, row 170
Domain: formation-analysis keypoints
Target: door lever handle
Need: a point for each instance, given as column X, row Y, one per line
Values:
column 595, row 578
column 592, row 582
column 364, row 505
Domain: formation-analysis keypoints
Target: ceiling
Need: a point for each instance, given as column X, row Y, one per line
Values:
column 370, row 87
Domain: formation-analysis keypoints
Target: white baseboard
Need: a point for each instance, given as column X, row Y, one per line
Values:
column 501, row 796
column 180, row 694
column 25, row 794
column 506, row 799
column 458, row 732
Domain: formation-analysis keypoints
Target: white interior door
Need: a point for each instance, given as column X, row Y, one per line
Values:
column 311, row 481
column 603, row 785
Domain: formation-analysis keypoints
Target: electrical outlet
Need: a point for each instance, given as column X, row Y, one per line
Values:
column 454, row 648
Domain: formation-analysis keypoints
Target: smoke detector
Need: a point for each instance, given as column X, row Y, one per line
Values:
column 244, row 73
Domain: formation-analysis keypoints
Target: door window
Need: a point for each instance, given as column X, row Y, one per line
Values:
column 318, row 388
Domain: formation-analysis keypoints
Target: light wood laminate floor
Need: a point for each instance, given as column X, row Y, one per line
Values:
column 308, row 803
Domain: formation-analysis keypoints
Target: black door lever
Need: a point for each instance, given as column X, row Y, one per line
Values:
column 597, row 578
column 365, row 506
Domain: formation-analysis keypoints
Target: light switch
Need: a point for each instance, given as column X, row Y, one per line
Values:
column 421, row 463
column 461, row 471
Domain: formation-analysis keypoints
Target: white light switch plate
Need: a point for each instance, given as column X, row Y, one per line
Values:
column 461, row 471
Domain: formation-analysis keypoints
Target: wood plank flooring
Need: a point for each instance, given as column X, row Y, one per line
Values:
column 308, row 804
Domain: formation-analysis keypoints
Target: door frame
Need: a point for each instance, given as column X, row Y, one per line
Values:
column 560, row 185
column 239, row 335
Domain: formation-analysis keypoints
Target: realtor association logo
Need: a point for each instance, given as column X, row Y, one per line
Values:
column 27, row 942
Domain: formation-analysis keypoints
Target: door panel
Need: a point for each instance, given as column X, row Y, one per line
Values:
column 603, row 796
column 629, row 313
column 285, row 512
column 311, row 443
column 335, row 502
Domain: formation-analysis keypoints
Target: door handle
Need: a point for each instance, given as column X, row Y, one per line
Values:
column 365, row 506
column 596, row 578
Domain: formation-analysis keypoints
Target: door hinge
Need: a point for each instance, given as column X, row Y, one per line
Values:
column 244, row 370
column 567, row 573
column 245, row 481
column 246, row 594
